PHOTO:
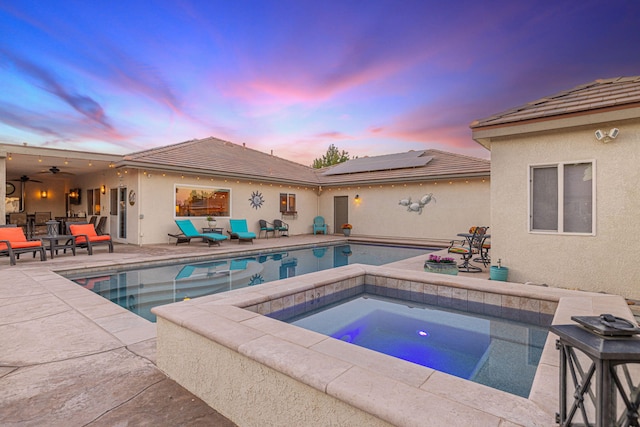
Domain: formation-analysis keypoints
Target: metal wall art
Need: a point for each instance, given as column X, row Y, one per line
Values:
column 256, row 200
column 417, row 206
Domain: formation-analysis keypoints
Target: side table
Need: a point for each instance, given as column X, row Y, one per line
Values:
column 59, row 242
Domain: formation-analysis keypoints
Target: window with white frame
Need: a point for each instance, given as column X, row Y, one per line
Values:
column 202, row 201
column 562, row 198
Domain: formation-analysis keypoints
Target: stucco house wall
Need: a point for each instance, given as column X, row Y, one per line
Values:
column 157, row 205
column 603, row 262
column 455, row 207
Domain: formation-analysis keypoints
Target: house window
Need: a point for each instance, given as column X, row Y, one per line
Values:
column 202, row 201
column 287, row 203
column 562, row 198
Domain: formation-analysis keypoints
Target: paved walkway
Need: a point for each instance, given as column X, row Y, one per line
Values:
column 68, row 357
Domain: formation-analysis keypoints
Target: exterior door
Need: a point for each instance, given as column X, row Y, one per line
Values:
column 340, row 212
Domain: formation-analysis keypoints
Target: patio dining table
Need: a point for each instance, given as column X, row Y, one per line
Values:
column 465, row 265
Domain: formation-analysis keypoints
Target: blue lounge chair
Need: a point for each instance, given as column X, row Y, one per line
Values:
column 240, row 231
column 189, row 230
column 319, row 225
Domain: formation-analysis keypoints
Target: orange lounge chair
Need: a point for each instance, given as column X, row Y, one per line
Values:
column 86, row 237
column 13, row 242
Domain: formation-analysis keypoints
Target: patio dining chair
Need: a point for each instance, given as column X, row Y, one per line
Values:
column 20, row 219
column 267, row 228
column 40, row 223
column 102, row 223
column 281, row 227
column 467, row 248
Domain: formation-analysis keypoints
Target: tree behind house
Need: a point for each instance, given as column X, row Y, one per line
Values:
column 332, row 157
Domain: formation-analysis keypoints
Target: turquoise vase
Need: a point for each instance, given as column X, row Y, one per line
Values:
column 441, row 268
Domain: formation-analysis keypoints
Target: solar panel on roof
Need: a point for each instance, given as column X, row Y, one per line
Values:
column 409, row 159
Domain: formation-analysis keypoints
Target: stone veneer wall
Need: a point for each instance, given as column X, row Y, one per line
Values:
column 521, row 308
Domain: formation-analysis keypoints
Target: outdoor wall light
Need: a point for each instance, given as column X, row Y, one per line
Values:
column 103, row 189
column 357, row 197
column 605, row 136
column 43, row 194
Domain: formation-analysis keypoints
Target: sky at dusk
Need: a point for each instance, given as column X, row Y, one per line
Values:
column 371, row 77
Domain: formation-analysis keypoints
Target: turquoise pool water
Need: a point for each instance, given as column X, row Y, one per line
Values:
column 140, row 289
column 496, row 352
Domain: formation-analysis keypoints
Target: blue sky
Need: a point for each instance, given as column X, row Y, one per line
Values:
column 371, row 77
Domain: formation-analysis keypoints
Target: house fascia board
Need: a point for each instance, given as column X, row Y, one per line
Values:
column 484, row 135
column 404, row 180
column 56, row 152
column 211, row 173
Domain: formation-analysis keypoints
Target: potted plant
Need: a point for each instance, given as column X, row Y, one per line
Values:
column 442, row 265
column 346, row 229
column 212, row 221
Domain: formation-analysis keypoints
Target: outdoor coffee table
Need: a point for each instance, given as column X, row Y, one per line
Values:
column 59, row 242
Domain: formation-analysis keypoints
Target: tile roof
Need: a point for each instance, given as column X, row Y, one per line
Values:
column 218, row 157
column 619, row 92
column 442, row 165
column 212, row 156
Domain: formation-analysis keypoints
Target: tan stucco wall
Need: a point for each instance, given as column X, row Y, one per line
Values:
column 219, row 376
column 458, row 205
column 604, row 262
column 156, row 204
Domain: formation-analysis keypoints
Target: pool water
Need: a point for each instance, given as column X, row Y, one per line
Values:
column 496, row 352
column 141, row 289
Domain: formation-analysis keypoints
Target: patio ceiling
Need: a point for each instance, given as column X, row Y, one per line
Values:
column 46, row 164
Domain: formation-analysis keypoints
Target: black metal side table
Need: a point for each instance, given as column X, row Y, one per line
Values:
column 599, row 367
column 56, row 243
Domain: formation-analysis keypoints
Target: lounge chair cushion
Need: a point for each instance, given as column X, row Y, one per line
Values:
column 13, row 234
column 89, row 230
column 17, row 239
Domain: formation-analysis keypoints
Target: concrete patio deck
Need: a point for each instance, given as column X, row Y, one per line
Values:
column 70, row 357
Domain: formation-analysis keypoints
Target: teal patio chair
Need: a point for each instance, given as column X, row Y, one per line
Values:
column 267, row 228
column 319, row 225
column 189, row 230
column 281, row 227
column 240, row 231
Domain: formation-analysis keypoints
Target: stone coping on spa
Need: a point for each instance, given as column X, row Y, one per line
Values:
column 389, row 389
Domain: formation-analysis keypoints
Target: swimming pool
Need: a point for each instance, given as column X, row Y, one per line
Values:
column 496, row 352
column 140, row 289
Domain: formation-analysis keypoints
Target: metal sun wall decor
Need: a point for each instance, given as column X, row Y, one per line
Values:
column 256, row 200
column 417, row 206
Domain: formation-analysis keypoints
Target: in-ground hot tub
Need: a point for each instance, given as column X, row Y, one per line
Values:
column 259, row 371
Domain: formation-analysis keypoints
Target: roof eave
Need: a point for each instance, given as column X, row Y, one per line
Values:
column 211, row 173
column 481, row 174
column 484, row 134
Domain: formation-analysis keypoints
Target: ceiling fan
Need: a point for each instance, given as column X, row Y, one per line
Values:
column 54, row 170
column 25, row 178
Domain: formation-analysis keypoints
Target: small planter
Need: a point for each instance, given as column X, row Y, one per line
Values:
column 499, row 273
column 441, row 268
column 346, row 232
